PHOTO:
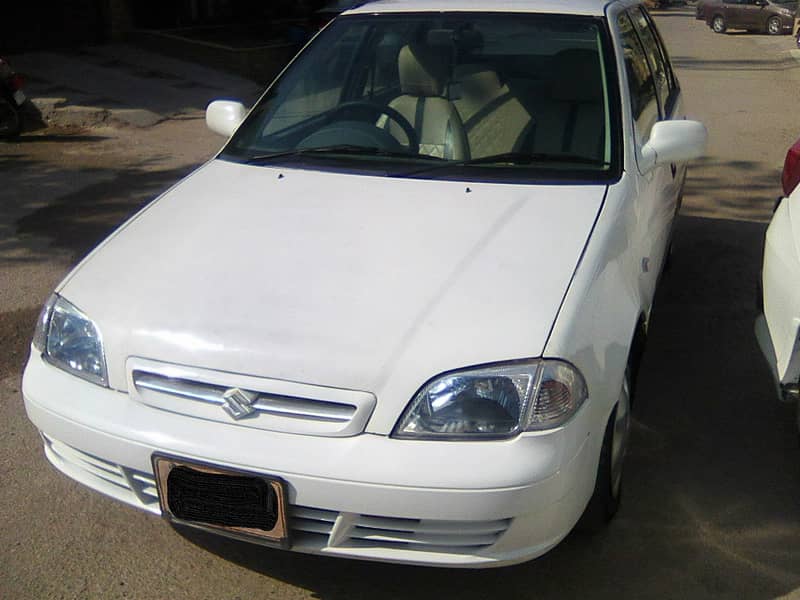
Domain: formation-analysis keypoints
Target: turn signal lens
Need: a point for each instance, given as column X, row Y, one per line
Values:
column 791, row 169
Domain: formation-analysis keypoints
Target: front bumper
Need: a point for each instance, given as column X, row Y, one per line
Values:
column 467, row 504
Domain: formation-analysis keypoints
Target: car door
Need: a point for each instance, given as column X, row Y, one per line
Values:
column 655, row 96
column 731, row 9
column 751, row 15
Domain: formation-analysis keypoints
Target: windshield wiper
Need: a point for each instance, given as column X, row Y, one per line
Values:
column 514, row 158
column 349, row 149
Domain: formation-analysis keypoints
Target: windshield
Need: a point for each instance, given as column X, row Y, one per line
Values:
column 427, row 94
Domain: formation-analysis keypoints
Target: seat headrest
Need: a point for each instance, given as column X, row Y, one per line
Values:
column 423, row 71
column 477, row 81
column 577, row 76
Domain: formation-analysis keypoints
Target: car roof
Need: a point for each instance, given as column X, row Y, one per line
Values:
column 564, row 7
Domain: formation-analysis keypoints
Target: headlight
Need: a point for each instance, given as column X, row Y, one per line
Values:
column 494, row 402
column 69, row 340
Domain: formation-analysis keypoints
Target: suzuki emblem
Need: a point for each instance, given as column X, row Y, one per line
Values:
column 239, row 403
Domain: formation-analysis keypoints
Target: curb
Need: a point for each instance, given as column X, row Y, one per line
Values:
column 60, row 112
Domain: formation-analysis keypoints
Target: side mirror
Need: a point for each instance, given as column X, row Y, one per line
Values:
column 674, row 142
column 761, row 3
column 224, row 116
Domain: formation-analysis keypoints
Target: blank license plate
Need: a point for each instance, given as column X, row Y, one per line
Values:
column 237, row 504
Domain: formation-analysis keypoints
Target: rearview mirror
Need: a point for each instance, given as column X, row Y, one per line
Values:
column 674, row 142
column 224, row 116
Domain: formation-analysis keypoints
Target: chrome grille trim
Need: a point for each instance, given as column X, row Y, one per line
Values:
column 299, row 408
column 250, row 401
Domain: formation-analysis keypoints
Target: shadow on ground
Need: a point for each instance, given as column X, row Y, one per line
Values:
column 712, row 485
column 732, row 189
column 74, row 222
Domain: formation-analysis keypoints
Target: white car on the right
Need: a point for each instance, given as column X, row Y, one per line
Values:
column 778, row 328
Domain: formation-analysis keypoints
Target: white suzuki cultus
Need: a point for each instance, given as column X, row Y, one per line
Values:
column 399, row 316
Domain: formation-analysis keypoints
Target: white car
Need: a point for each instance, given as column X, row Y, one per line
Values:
column 398, row 317
column 778, row 328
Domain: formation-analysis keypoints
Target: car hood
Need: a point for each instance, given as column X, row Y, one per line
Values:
column 354, row 282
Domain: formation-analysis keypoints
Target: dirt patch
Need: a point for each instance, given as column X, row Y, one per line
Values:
column 16, row 331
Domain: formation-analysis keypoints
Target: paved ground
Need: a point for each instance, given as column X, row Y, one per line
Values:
column 712, row 496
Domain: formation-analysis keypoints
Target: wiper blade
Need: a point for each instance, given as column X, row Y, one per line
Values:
column 516, row 158
column 349, row 149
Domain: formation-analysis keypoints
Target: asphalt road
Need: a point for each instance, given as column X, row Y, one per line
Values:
column 711, row 503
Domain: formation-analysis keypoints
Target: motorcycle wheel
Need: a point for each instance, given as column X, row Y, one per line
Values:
column 10, row 118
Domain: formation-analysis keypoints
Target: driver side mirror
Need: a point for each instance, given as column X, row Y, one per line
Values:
column 674, row 142
column 224, row 116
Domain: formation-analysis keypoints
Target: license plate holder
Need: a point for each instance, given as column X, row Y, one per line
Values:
column 237, row 504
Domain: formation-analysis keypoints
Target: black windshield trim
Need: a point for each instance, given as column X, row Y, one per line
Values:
column 329, row 163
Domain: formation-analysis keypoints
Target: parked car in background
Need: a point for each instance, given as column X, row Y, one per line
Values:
column 775, row 17
column 400, row 316
column 778, row 328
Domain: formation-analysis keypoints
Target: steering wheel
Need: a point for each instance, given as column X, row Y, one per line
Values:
column 370, row 111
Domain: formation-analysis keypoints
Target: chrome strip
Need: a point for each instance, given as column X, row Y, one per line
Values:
column 279, row 405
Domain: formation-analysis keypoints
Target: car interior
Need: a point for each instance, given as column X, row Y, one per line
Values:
column 446, row 91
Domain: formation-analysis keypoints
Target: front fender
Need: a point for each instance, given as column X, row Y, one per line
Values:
column 602, row 308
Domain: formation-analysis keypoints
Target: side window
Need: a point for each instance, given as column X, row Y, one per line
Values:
column 654, row 57
column 640, row 80
column 671, row 79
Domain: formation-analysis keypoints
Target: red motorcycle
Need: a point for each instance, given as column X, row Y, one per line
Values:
column 11, row 100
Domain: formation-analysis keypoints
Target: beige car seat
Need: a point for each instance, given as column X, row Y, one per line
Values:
column 494, row 119
column 572, row 120
column 423, row 74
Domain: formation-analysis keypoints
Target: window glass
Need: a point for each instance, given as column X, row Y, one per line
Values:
column 517, row 92
column 319, row 86
column 640, row 80
column 671, row 79
column 654, row 57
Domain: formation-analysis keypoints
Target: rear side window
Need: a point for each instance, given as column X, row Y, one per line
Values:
column 655, row 58
column 644, row 104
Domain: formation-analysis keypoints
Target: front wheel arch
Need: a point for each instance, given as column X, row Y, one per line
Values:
column 607, row 493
